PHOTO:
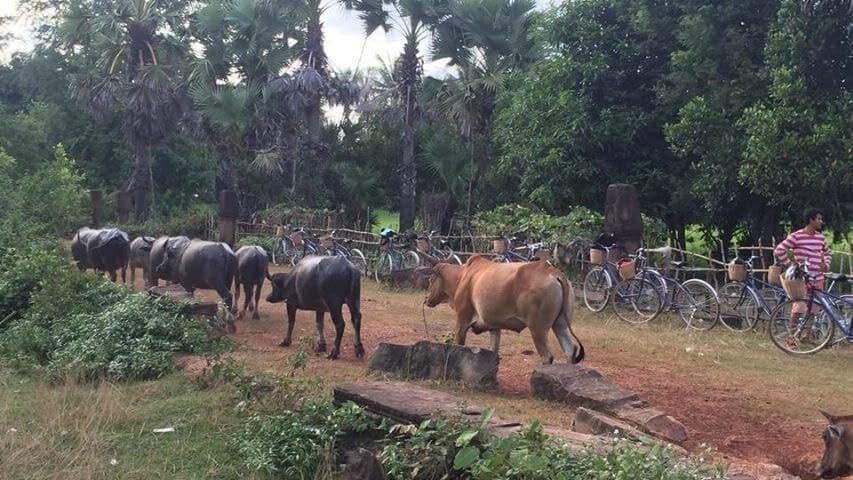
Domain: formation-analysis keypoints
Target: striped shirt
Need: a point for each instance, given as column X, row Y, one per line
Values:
column 809, row 248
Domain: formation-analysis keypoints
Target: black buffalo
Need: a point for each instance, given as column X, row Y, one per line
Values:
column 158, row 254
column 252, row 262
column 104, row 250
column 140, row 249
column 321, row 284
column 201, row 264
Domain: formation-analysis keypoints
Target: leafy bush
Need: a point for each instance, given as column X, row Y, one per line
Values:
column 54, row 195
column 295, row 444
column 21, row 274
column 537, row 225
column 267, row 243
column 72, row 323
column 193, row 223
column 134, row 338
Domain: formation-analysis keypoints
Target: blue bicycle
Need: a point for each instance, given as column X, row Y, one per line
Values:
column 744, row 300
column 805, row 325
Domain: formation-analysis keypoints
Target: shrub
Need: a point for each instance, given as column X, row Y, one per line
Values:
column 536, row 225
column 54, row 195
column 23, row 272
column 267, row 243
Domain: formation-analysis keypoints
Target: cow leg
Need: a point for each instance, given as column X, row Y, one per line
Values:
column 338, row 320
column 113, row 275
column 540, row 341
column 496, row 340
column 257, row 314
column 123, row 274
column 237, row 297
column 248, row 290
column 561, row 330
column 319, row 321
column 133, row 276
column 291, row 320
column 463, row 323
column 355, row 319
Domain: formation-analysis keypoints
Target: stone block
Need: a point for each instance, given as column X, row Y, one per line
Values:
column 578, row 385
column 390, row 358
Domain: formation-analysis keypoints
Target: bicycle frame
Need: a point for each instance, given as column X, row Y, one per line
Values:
column 821, row 297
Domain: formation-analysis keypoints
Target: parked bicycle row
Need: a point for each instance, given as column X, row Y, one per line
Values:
column 799, row 316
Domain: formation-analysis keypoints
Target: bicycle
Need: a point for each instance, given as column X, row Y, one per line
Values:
column 599, row 281
column 507, row 255
column 334, row 247
column 745, row 300
column 284, row 248
column 694, row 300
column 427, row 249
column 806, row 325
column 391, row 258
column 303, row 246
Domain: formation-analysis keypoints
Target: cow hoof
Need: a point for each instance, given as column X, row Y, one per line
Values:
column 284, row 343
column 231, row 328
column 321, row 347
column 359, row 351
column 333, row 355
column 256, row 316
column 240, row 316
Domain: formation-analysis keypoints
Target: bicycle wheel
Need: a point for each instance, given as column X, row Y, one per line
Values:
column 358, row 259
column 798, row 331
column 500, row 259
column 297, row 257
column 740, row 306
column 281, row 252
column 637, row 300
column 411, row 259
column 697, row 304
column 384, row 267
column 596, row 289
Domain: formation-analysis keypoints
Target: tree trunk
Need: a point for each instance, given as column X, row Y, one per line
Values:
column 408, row 168
column 139, row 184
column 313, row 116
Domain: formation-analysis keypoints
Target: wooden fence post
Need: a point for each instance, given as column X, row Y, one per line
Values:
column 228, row 213
column 96, row 198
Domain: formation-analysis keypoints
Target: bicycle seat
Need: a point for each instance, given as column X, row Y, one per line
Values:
column 444, row 243
column 346, row 241
column 677, row 264
column 837, row 277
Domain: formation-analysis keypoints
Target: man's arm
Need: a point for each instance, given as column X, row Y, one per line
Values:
column 783, row 248
column 827, row 256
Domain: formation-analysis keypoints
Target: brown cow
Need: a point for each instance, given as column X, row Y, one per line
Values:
column 509, row 296
column 837, row 458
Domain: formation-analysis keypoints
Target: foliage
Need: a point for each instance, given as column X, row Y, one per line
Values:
column 194, row 222
column 537, row 225
column 267, row 243
column 22, row 273
column 54, row 195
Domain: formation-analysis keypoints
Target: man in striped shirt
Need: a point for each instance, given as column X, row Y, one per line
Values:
column 809, row 247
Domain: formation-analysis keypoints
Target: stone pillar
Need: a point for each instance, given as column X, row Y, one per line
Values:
column 123, row 206
column 96, row 198
column 622, row 215
column 229, row 210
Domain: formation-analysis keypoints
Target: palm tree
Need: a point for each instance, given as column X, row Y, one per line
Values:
column 414, row 19
column 137, row 50
column 486, row 40
column 245, row 46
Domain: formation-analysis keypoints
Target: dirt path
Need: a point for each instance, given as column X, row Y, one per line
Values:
column 736, row 394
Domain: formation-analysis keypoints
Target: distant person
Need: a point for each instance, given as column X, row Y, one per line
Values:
column 808, row 246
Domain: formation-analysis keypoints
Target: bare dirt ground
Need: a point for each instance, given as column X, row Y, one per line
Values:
column 735, row 393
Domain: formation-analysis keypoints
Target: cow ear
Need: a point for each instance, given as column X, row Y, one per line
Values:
column 269, row 277
column 836, row 431
column 831, row 418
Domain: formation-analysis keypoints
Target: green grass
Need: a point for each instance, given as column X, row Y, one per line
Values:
column 74, row 431
column 386, row 219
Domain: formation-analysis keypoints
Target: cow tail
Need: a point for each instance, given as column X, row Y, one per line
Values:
column 568, row 312
column 354, row 303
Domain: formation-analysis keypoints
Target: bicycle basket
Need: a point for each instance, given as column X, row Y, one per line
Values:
column 596, row 256
column 793, row 283
column 327, row 242
column 499, row 246
column 297, row 238
column 736, row 271
column 626, row 269
column 774, row 275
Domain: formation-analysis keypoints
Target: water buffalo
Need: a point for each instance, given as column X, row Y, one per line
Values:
column 252, row 262
column 104, row 250
column 322, row 284
column 200, row 264
column 837, row 458
column 140, row 248
column 158, row 253
column 488, row 296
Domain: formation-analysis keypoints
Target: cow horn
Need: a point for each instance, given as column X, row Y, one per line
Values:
column 830, row 417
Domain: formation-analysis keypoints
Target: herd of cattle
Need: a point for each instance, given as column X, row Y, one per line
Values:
column 485, row 296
